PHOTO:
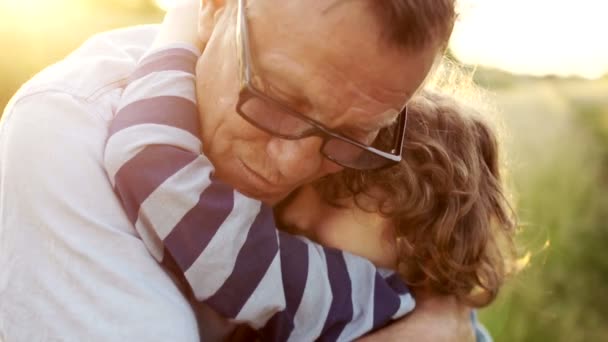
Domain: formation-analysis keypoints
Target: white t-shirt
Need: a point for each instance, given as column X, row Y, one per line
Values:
column 72, row 268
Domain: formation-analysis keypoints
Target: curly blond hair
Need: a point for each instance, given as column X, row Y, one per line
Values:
column 454, row 223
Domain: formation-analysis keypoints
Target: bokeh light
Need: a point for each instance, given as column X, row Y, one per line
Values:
column 164, row 4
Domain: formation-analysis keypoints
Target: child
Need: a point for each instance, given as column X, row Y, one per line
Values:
column 440, row 217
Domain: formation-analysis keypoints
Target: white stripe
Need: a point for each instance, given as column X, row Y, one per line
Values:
column 360, row 271
column 160, row 83
column 215, row 264
column 126, row 143
column 267, row 295
column 170, row 202
column 312, row 313
column 385, row 272
column 407, row 305
column 407, row 302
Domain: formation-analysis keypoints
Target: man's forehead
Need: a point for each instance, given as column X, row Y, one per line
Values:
column 334, row 96
column 365, row 105
column 319, row 7
column 342, row 35
column 336, row 102
column 341, row 71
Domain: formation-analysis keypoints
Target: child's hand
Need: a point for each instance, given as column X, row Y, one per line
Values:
column 435, row 319
column 181, row 25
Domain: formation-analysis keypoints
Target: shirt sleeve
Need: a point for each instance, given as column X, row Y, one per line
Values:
column 481, row 333
column 227, row 244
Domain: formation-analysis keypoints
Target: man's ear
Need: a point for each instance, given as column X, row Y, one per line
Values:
column 209, row 12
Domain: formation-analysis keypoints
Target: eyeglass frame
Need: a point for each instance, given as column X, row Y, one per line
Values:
column 248, row 91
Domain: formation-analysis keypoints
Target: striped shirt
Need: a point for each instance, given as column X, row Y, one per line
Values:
column 225, row 243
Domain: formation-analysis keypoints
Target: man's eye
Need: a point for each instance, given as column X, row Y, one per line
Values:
column 283, row 97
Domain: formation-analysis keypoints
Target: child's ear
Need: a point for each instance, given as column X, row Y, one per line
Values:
column 209, row 12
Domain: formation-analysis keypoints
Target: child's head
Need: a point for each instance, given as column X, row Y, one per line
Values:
column 440, row 217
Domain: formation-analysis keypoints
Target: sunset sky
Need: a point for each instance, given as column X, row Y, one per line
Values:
column 538, row 37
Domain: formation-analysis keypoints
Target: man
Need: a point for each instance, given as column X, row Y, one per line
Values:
column 73, row 267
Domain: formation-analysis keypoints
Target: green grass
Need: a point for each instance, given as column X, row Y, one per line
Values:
column 558, row 149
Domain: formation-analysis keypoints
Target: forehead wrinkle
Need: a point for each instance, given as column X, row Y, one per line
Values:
column 334, row 5
column 361, row 92
column 368, row 113
column 352, row 93
column 331, row 106
column 364, row 78
column 380, row 93
column 328, row 86
column 327, row 108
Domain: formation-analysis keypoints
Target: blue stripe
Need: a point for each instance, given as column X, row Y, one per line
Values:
column 396, row 283
column 142, row 174
column 386, row 302
column 294, row 269
column 481, row 333
column 173, row 111
column 252, row 263
column 341, row 310
column 166, row 60
column 196, row 229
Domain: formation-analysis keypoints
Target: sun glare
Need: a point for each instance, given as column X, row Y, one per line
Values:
column 25, row 6
column 36, row 15
column 538, row 37
column 534, row 37
column 164, row 4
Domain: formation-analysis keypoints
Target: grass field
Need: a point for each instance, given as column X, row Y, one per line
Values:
column 558, row 149
column 556, row 139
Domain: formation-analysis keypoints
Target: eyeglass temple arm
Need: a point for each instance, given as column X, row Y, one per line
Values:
column 400, row 136
column 242, row 34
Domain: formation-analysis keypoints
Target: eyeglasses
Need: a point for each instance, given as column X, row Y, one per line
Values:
column 278, row 119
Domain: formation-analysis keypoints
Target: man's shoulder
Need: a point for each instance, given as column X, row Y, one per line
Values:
column 129, row 43
column 100, row 64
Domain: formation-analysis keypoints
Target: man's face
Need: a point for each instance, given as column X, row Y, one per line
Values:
column 322, row 60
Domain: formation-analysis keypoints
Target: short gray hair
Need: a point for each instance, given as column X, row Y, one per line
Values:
column 416, row 23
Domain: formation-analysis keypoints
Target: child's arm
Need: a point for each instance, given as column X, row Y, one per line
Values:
column 226, row 244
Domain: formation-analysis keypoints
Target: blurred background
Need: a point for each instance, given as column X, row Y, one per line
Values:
column 545, row 65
